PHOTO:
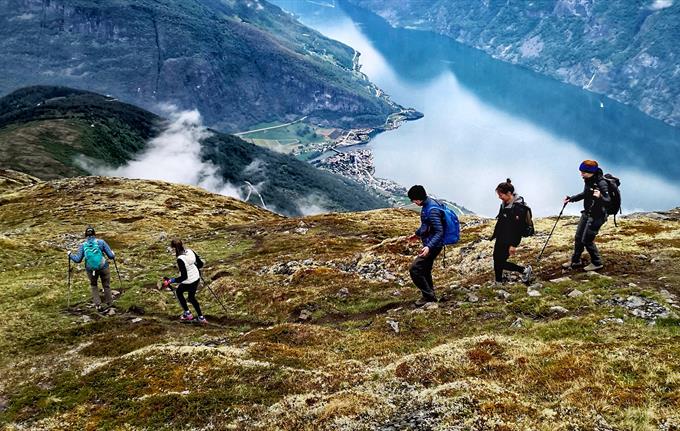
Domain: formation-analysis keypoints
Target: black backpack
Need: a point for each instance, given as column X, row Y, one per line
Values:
column 526, row 221
column 614, row 204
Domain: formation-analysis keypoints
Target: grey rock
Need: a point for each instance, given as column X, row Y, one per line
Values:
column 137, row 320
column 305, row 315
column 666, row 293
column 614, row 320
column 635, row 302
column 343, row 293
column 394, row 325
column 518, row 323
column 471, row 297
column 560, row 279
column 502, row 294
column 533, row 293
column 431, row 306
column 575, row 293
column 559, row 309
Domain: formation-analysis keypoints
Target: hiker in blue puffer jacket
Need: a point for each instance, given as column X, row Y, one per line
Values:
column 431, row 233
column 94, row 251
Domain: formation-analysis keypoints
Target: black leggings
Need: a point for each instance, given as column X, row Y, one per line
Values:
column 191, row 288
column 501, row 253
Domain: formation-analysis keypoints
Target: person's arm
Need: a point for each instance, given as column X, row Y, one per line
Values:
column 520, row 215
column 182, row 272
column 199, row 262
column 78, row 256
column 435, row 220
column 421, row 230
column 603, row 188
column 106, row 249
column 578, row 197
column 495, row 228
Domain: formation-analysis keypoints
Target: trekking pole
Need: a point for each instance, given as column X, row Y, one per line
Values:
column 118, row 272
column 214, row 294
column 551, row 232
column 68, row 300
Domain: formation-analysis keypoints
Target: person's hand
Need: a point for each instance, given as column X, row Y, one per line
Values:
column 512, row 250
column 412, row 238
column 597, row 194
column 567, row 200
column 424, row 252
column 166, row 282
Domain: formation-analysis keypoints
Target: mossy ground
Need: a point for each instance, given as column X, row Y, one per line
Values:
column 259, row 367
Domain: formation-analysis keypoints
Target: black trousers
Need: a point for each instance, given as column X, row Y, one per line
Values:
column 587, row 230
column 421, row 273
column 501, row 253
column 191, row 288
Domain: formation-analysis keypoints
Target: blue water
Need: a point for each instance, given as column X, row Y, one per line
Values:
column 486, row 120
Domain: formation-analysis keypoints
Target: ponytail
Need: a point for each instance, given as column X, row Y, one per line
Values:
column 506, row 187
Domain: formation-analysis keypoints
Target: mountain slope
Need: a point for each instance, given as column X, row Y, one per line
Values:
column 239, row 62
column 625, row 49
column 319, row 331
column 48, row 131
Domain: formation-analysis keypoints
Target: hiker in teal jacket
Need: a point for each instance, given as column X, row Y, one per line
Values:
column 94, row 251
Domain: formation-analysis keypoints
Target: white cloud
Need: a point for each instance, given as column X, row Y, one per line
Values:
column 312, row 205
column 175, row 156
column 661, row 4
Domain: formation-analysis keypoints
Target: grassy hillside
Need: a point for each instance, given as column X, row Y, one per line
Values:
column 320, row 333
column 239, row 62
column 45, row 130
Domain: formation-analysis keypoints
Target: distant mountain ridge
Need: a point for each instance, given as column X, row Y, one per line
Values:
column 627, row 50
column 44, row 131
column 239, row 62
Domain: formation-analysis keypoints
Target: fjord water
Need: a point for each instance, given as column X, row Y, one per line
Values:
column 486, row 120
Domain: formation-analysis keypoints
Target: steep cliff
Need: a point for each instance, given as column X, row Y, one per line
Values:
column 238, row 62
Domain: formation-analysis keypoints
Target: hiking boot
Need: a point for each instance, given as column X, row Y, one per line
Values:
column 202, row 320
column 593, row 267
column 186, row 316
column 572, row 265
column 423, row 301
column 527, row 274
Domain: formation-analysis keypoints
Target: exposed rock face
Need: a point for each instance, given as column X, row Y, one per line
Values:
column 240, row 62
column 627, row 50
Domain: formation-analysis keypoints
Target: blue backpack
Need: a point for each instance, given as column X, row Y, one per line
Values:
column 94, row 258
column 451, row 223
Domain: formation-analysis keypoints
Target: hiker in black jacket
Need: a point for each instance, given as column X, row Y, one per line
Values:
column 595, row 196
column 508, row 232
column 431, row 232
